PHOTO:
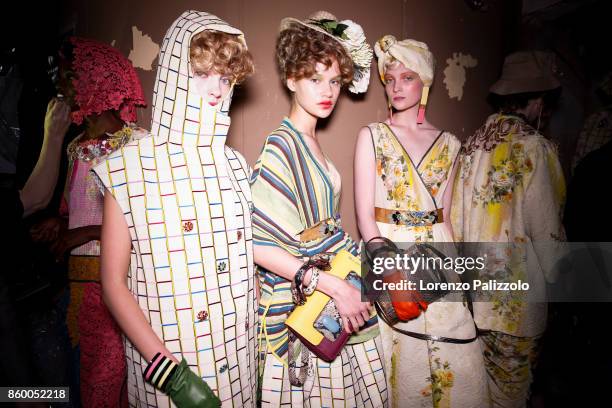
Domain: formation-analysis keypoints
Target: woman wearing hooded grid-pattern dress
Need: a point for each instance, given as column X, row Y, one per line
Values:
column 177, row 212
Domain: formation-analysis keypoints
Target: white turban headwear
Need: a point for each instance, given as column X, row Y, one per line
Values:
column 415, row 55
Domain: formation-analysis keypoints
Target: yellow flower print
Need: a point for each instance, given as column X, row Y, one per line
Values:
column 387, row 148
column 397, row 171
column 510, row 167
column 428, row 174
column 399, row 192
column 441, row 164
column 445, row 377
column 501, row 179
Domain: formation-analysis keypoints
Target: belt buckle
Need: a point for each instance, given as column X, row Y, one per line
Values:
column 396, row 217
column 326, row 227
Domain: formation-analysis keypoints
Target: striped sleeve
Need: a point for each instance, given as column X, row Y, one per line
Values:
column 276, row 216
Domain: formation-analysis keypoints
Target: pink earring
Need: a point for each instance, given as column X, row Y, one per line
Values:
column 423, row 105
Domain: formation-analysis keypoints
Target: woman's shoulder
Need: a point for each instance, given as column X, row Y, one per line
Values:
column 373, row 130
column 284, row 137
column 374, row 125
column 450, row 137
column 452, row 142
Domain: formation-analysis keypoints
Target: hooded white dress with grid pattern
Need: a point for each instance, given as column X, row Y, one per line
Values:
column 186, row 199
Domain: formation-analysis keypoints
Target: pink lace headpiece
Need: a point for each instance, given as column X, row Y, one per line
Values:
column 105, row 80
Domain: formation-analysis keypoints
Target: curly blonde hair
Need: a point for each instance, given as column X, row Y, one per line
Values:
column 222, row 53
column 299, row 48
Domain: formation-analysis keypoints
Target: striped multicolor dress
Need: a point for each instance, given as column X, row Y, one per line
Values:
column 292, row 192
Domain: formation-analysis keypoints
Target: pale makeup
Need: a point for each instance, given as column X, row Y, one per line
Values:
column 403, row 87
column 211, row 86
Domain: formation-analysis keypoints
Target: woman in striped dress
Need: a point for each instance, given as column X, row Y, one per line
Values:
column 296, row 192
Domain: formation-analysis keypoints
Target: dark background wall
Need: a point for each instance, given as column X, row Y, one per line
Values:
column 447, row 26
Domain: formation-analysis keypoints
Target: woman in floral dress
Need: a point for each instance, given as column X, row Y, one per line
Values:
column 403, row 172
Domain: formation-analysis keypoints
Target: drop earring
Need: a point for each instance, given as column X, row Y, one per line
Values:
column 390, row 111
column 423, row 105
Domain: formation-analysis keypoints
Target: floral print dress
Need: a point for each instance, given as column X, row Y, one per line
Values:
column 425, row 373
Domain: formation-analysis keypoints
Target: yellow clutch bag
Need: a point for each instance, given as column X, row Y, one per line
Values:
column 317, row 323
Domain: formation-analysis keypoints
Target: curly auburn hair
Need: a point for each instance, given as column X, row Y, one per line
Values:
column 222, row 53
column 299, row 48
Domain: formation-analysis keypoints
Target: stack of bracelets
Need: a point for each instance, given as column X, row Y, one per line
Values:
column 298, row 291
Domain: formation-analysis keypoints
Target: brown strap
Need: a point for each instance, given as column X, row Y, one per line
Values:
column 423, row 336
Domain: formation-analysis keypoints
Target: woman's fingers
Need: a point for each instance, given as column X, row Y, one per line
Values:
column 346, row 324
column 365, row 316
column 360, row 321
column 354, row 326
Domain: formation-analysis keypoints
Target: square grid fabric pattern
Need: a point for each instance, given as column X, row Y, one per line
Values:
column 186, row 199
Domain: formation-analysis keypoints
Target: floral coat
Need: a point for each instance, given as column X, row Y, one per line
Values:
column 510, row 192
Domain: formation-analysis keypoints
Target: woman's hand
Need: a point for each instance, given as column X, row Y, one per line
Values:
column 73, row 238
column 38, row 190
column 57, row 119
column 353, row 311
column 347, row 297
column 48, row 229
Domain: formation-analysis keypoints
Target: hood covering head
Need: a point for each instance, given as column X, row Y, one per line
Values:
column 180, row 114
column 105, row 80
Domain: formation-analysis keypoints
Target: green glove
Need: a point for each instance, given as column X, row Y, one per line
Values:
column 183, row 386
column 187, row 389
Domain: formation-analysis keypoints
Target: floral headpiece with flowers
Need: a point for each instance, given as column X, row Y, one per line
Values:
column 350, row 35
column 105, row 80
